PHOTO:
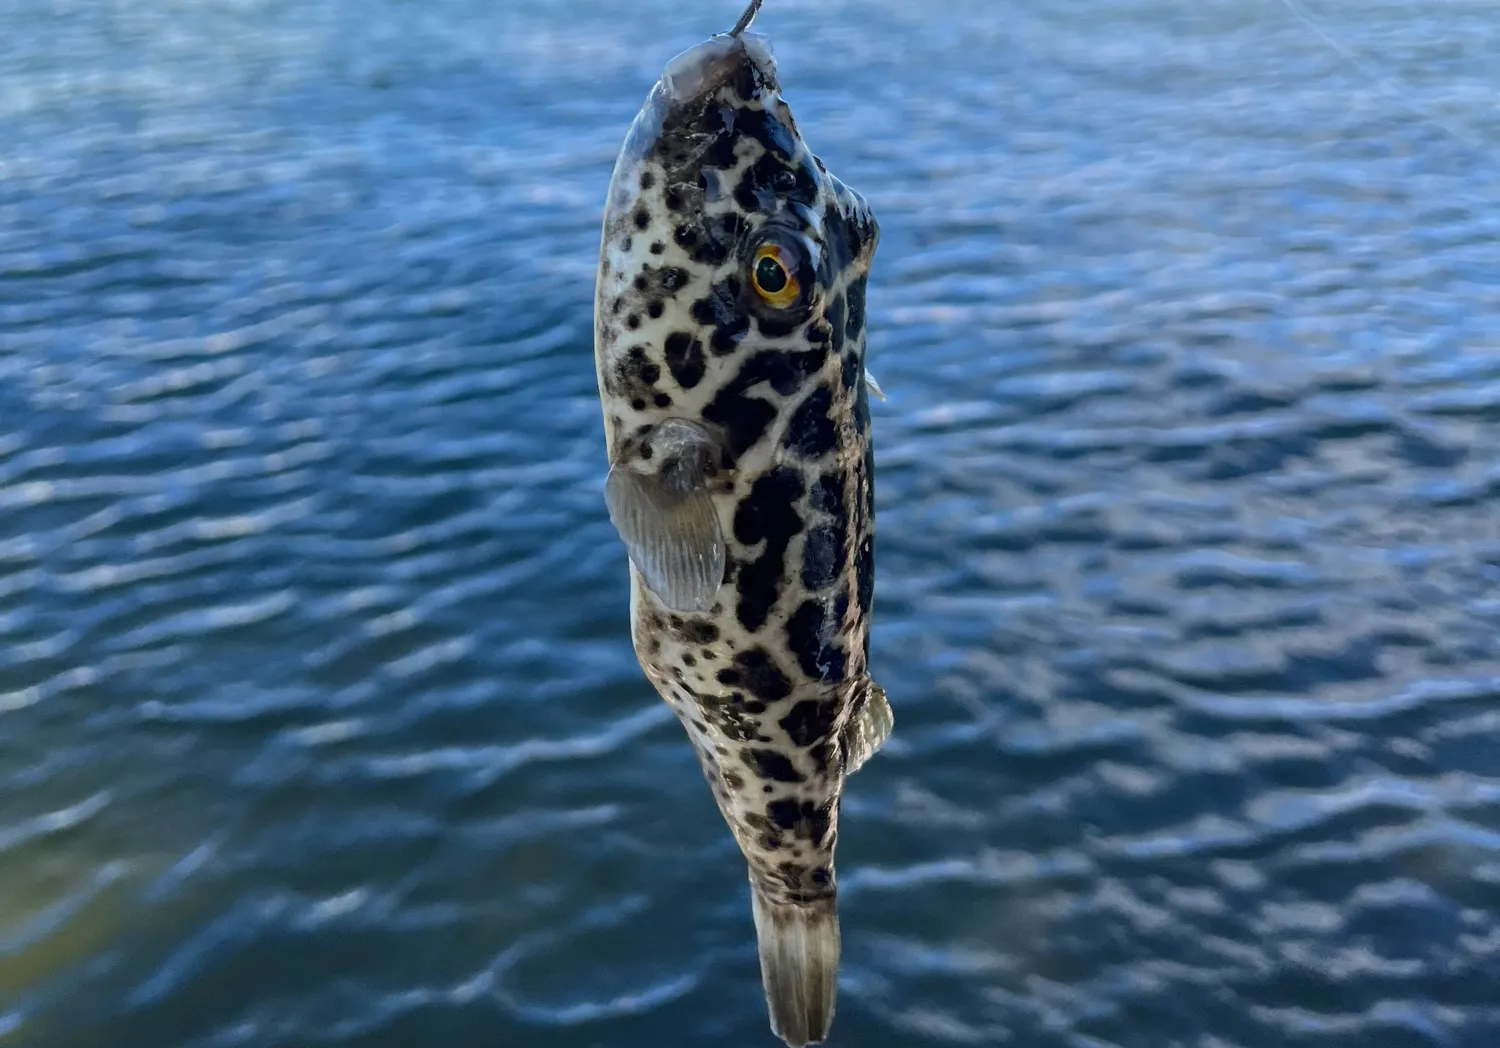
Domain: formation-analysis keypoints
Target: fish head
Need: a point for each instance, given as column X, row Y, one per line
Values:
column 724, row 237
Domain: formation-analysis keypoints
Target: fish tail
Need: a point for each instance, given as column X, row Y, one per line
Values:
column 799, row 965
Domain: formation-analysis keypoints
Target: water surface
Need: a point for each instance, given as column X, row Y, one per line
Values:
column 319, row 723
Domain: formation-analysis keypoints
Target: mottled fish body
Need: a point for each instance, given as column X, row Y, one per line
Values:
column 730, row 351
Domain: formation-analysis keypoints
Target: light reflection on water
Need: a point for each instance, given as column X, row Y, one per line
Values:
column 318, row 717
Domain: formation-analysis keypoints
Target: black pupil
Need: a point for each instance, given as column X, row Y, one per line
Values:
column 769, row 275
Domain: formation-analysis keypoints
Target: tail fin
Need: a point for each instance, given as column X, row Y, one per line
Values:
column 799, row 965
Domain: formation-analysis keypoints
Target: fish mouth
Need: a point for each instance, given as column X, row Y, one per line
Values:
column 744, row 60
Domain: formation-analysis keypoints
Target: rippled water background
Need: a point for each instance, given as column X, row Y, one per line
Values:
column 318, row 718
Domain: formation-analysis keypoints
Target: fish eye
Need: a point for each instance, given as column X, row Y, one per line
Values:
column 772, row 276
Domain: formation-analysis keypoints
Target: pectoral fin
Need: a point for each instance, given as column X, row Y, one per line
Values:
column 868, row 729
column 874, row 386
column 667, row 517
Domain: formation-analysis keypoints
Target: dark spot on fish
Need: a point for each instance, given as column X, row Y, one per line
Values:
column 811, row 635
column 650, row 373
column 768, row 764
column 685, row 360
column 657, row 247
column 809, row 722
column 836, row 316
column 804, row 819
column 780, row 325
column 642, row 218
column 640, row 405
column 860, row 227
column 627, row 243
column 648, row 179
column 673, row 200
column 762, row 676
column 822, row 552
column 633, row 321
column 747, row 81
column 770, row 179
column 696, row 631
column 639, row 282
column 811, row 433
column 734, row 781
column 787, row 812
column 685, row 236
column 850, row 371
column 654, row 308
column 692, row 135
column 767, row 129
column 729, row 677
column 617, row 305
column 755, row 191
column 819, row 755
column 721, row 310
column 689, row 659
column 766, row 514
column 646, row 449
column 855, row 323
column 836, row 242
column 819, row 876
column 662, row 400
column 744, row 418
column 721, row 235
column 708, row 655
column 818, row 824
column 827, row 493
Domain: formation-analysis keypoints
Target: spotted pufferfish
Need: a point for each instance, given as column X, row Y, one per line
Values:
column 730, row 356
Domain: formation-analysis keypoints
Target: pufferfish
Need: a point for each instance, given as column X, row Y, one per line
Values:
column 730, row 350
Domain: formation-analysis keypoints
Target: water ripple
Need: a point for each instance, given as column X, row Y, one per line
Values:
column 321, row 723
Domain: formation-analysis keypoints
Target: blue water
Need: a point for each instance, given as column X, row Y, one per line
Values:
column 319, row 723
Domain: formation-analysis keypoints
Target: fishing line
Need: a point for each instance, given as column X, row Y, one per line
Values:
column 1381, row 80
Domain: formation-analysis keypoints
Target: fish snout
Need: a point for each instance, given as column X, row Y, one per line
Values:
column 743, row 61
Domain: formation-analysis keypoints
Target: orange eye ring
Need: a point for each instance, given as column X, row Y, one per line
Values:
column 772, row 276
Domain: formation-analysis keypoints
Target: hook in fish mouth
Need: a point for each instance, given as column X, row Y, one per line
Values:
column 746, row 18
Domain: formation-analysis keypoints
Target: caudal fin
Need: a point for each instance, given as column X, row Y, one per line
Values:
column 799, row 966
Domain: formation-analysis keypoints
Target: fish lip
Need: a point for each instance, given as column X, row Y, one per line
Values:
column 709, row 65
